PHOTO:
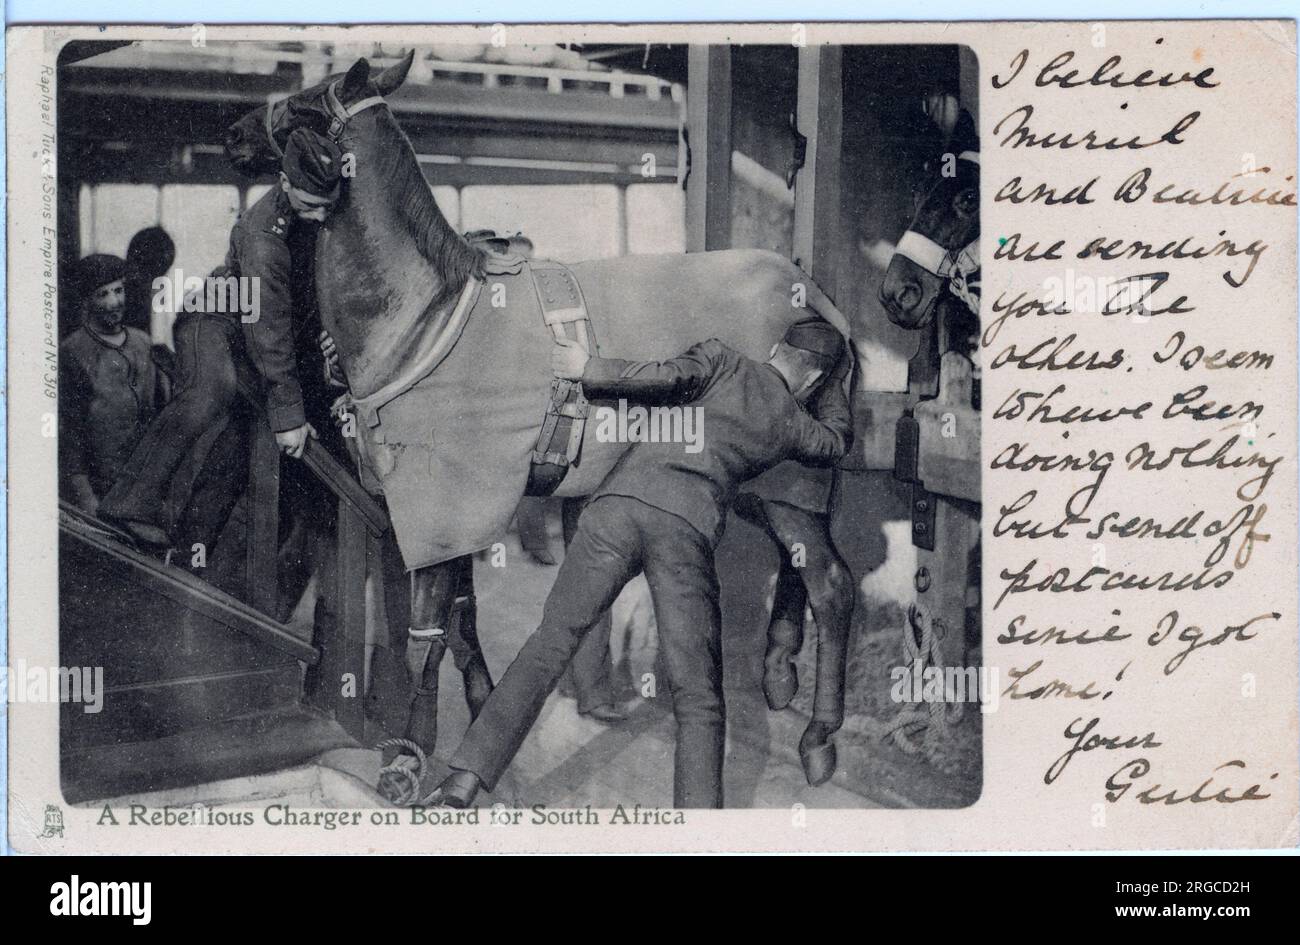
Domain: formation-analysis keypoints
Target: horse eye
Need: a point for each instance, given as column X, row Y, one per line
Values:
column 967, row 202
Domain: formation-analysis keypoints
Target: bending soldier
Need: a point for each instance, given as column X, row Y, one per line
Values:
column 661, row 510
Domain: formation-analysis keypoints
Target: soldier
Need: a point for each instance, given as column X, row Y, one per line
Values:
column 190, row 468
column 109, row 388
column 661, row 510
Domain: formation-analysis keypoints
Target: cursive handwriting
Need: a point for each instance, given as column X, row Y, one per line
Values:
column 1019, row 135
column 1107, row 75
column 1119, row 784
column 1196, row 638
column 1085, row 740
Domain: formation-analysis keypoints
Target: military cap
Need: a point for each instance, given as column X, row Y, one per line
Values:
column 313, row 163
column 95, row 270
column 818, row 336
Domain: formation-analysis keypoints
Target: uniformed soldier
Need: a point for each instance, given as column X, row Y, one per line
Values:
column 109, row 387
column 661, row 510
column 190, row 467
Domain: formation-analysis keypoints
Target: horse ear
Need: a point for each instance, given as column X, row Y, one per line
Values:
column 965, row 137
column 391, row 78
column 942, row 109
column 354, row 83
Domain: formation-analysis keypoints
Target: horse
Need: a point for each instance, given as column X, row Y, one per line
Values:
column 452, row 449
column 937, row 259
column 932, row 285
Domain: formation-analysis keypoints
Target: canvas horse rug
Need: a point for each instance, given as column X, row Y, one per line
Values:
column 450, row 436
column 450, row 442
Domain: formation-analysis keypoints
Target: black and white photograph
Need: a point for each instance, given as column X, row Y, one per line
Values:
column 555, row 426
column 708, row 437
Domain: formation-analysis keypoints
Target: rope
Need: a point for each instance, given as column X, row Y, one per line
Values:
column 411, row 790
column 966, row 286
column 932, row 719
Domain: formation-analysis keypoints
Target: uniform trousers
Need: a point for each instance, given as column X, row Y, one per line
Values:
column 618, row 537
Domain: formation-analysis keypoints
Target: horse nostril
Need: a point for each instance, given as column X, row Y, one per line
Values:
column 908, row 296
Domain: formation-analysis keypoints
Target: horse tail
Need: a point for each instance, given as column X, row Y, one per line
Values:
column 819, row 302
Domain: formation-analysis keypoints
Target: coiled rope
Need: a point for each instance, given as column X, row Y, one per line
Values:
column 921, row 636
column 409, row 778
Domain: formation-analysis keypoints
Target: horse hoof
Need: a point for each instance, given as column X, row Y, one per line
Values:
column 819, row 761
column 780, row 683
column 394, row 788
column 399, row 780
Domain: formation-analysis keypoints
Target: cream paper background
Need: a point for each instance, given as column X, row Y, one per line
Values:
column 1200, row 713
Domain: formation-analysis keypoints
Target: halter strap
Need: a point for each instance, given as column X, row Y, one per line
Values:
column 953, row 265
column 343, row 113
column 271, row 101
column 340, row 114
column 933, row 258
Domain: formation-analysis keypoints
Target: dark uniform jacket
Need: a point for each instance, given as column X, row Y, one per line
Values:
column 107, row 396
column 751, row 423
column 270, row 243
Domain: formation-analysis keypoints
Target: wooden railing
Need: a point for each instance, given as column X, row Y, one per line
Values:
column 337, row 683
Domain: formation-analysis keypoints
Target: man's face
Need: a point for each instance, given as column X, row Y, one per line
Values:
column 307, row 206
column 106, row 306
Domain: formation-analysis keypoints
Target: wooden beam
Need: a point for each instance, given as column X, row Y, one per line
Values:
column 263, row 519
column 708, row 129
column 819, row 118
column 189, row 591
column 341, row 482
column 351, row 630
column 437, row 98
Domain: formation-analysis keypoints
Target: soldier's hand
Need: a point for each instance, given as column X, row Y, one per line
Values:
column 568, row 359
column 294, row 442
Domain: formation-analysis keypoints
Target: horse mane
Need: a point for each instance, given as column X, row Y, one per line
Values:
column 451, row 255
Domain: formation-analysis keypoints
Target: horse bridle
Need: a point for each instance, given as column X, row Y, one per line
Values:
column 951, row 264
column 340, row 115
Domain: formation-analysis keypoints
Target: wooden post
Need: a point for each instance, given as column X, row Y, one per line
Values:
column 351, row 643
column 261, row 560
column 819, row 119
column 708, row 127
column 957, row 532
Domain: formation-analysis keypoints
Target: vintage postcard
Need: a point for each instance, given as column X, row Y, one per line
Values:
column 786, row 437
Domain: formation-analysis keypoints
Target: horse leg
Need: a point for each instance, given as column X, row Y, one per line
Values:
column 785, row 628
column 463, row 639
column 829, row 587
column 433, row 594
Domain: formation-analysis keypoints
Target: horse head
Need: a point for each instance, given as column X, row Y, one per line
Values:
column 941, row 244
column 255, row 142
